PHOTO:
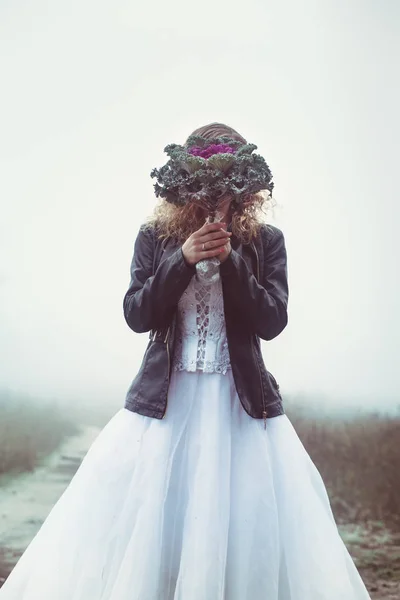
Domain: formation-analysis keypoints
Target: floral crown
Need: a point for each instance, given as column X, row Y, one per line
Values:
column 205, row 170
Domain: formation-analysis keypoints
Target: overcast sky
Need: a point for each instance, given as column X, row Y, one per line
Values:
column 91, row 93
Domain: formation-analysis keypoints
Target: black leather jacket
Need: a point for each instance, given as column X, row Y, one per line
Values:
column 255, row 289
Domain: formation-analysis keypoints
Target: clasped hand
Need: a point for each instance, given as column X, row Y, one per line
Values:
column 210, row 240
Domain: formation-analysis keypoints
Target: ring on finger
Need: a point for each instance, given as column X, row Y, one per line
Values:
column 204, row 246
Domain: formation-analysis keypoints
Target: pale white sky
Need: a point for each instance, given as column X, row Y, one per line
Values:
column 91, row 92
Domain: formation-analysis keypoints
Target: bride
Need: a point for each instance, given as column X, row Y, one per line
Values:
column 199, row 487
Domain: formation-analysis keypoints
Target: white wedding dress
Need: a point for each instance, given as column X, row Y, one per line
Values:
column 204, row 504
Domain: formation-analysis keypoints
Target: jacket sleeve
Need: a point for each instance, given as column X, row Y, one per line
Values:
column 152, row 298
column 261, row 306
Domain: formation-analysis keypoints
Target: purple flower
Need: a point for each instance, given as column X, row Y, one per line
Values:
column 211, row 150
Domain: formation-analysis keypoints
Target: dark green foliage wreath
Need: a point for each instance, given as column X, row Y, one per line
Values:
column 204, row 170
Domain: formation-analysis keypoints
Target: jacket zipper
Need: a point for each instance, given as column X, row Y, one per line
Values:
column 169, row 366
column 153, row 335
column 258, row 366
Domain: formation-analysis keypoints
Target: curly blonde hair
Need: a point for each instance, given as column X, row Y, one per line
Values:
column 180, row 222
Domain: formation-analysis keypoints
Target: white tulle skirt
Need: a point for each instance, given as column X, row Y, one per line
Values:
column 203, row 505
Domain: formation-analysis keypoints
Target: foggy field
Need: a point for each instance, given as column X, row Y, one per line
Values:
column 29, row 431
column 358, row 458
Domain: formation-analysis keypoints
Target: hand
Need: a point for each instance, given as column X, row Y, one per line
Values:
column 208, row 241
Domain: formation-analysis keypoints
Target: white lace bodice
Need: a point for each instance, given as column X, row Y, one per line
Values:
column 201, row 342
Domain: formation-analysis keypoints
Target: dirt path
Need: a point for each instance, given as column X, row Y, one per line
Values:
column 376, row 552
column 26, row 500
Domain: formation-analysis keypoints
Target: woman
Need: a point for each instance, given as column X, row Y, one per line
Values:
column 199, row 488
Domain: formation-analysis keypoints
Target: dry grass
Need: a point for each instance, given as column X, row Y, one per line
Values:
column 29, row 430
column 359, row 460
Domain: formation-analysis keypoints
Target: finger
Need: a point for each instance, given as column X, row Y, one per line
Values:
column 210, row 244
column 209, row 227
column 211, row 253
column 222, row 234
